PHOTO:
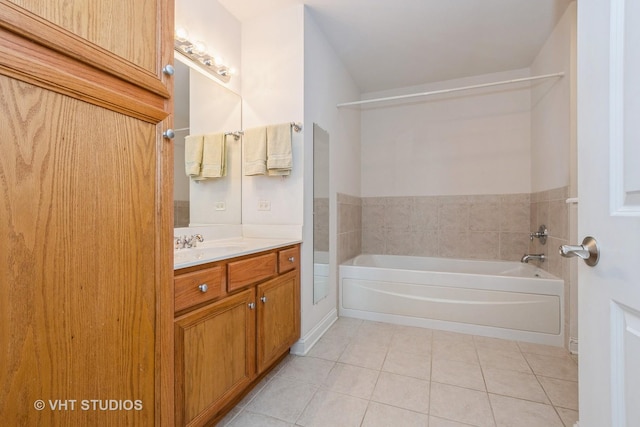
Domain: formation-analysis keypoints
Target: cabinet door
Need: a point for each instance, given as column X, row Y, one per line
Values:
column 125, row 38
column 79, row 286
column 215, row 357
column 278, row 317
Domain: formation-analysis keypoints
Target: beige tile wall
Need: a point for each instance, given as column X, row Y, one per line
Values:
column 349, row 227
column 550, row 208
column 489, row 227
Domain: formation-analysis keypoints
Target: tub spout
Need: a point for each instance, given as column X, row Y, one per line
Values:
column 528, row 257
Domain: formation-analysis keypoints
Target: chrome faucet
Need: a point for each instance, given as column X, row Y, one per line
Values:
column 187, row 242
column 193, row 239
column 528, row 257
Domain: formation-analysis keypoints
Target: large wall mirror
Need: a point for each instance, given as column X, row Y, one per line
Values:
column 320, row 213
column 203, row 106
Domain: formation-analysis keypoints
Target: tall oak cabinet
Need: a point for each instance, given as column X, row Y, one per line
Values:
column 86, row 297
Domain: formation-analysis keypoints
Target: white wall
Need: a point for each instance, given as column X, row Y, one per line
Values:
column 209, row 21
column 273, row 92
column 551, row 108
column 326, row 83
column 471, row 142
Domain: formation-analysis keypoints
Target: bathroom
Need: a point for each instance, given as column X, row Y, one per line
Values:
column 398, row 182
column 442, row 199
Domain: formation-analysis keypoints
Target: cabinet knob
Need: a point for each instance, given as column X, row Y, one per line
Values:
column 292, row 259
column 168, row 70
column 169, row 134
column 263, row 299
column 203, row 287
column 252, row 305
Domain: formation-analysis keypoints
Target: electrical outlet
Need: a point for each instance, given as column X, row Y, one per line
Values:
column 264, row 205
column 221, row 206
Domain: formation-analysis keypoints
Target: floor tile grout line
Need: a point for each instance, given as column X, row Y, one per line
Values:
column 484, row 380
column 364, row 416
column 544, row 390
column 306, row 406
column 268, row 380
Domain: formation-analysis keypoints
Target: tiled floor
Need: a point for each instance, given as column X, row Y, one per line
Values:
column 375, row 374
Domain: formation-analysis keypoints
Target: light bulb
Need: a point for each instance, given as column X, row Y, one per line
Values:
column 218, row 61
column 199, row 47
column 182, row 35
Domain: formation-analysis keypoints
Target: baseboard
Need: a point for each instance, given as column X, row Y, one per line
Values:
column 304, row 344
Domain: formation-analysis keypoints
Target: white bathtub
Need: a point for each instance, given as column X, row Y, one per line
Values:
column 500, row 299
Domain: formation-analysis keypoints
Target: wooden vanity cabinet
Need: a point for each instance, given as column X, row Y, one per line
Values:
column 225, row 346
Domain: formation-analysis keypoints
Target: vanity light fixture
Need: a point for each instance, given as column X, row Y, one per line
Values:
column 197, row 52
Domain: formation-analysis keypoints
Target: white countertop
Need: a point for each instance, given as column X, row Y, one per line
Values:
column 220, row 249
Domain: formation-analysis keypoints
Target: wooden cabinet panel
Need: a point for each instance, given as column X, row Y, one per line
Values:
column 199, row 286
column 128, row 28
column 124, row 74
column 79, row 261
column 215, row 357
column 278, row 317
column 250, row 270
column 288, row 259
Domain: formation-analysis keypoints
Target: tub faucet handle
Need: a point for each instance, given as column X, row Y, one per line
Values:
column 541, row 234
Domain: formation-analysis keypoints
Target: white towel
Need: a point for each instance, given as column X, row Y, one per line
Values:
column 255, row 151
column 193, row 145
column 279, row 157
column 213, row 156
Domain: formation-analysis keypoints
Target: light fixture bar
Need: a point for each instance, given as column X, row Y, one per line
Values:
column 203, row 60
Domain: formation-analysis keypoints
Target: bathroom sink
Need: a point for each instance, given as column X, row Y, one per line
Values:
column 219, row 249
column 230, row 244
column 204, row 253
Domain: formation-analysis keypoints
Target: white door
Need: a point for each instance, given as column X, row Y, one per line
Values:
column 609, row 210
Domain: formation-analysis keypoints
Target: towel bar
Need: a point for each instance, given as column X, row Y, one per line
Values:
column 236, row 135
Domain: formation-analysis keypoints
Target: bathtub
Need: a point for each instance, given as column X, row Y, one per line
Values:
column 501, row 299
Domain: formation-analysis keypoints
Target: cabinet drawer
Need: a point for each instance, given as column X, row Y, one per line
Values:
column 199, row 286
column 251, row 270
column 288, row 259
